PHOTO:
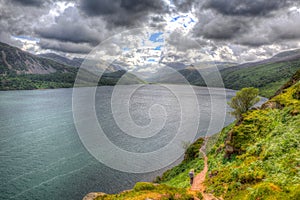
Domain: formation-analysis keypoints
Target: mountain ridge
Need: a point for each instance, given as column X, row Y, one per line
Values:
column 21, row 70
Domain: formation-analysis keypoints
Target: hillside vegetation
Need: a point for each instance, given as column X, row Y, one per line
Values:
column 268, row 78
column 258, row 157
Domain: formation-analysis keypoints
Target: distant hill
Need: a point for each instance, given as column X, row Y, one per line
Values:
column 22, row 70
column 188, row 73
column 267, row 75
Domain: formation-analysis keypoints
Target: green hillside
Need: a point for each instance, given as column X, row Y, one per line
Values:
column 267, row 77
column 259, row 157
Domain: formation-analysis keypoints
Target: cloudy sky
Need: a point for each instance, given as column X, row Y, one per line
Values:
column 230, row 30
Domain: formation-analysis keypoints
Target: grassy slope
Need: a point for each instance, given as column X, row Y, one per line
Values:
column 178, row 175
column 267, row 78
column 266, row 160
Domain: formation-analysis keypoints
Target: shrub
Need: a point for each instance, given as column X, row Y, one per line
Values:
column 243, row 100
column 144, row 186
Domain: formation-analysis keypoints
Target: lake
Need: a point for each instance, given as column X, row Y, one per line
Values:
column 42, row 156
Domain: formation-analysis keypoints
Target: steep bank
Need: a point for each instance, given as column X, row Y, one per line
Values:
column 259, row 157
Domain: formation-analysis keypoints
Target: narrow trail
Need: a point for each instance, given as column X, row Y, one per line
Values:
column 198, row 183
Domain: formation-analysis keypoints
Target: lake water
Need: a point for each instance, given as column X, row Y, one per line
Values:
column 41, row 154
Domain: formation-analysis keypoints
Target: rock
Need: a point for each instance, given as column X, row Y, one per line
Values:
column 271, row 105
column 93, row 195
column 295, row 112
column 228, row 151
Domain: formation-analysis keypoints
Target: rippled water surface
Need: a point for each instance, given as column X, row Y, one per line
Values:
column 42, row 157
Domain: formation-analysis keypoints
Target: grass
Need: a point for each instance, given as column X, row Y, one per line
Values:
column 266, row 159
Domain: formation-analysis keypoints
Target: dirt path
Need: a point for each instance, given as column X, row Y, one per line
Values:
column 198, row 184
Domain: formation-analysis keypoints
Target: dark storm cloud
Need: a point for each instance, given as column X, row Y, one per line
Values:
column 222, row 28
column 184, row 5
column 287, row 28
column 122, row 12
column 251, row 23
column 142, row 5
column 17, row 19
column 36, row 3
column 247, row 23
column 182, row 43
column 158, row 19
column 246, row 7
column 102, row 7
column 69, row 27
column 67, row 32
column 66, row 47
column 284, row 28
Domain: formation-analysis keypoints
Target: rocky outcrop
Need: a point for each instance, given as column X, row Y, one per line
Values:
column 271, row 105
column 93, row 195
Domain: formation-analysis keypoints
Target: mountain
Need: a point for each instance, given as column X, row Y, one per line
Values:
column 15, row 61
column 267, row 75
column 254, row 158
column 190, row 73
column 75, row 62
column 286, row 56
column 22, row 70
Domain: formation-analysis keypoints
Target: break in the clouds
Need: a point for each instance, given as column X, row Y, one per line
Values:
column 235, row 30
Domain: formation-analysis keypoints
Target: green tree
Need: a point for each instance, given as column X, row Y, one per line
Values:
column 243, row 100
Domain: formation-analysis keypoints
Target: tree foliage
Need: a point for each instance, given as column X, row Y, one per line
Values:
column 243, row 100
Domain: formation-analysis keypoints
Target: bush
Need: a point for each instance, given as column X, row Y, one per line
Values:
column 144, row 186
column 243, row 100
